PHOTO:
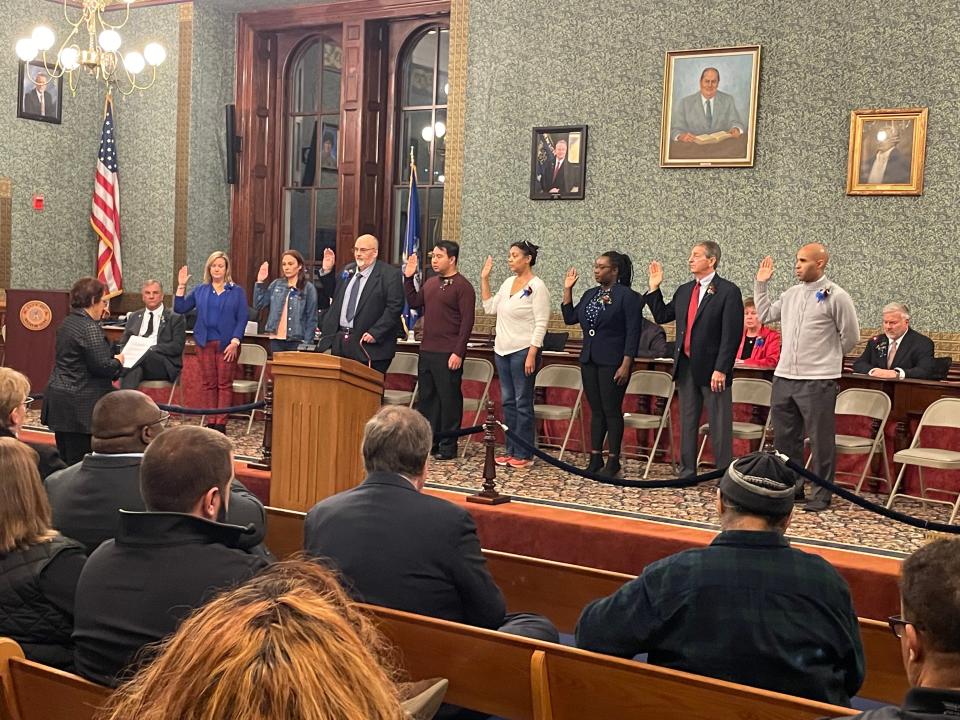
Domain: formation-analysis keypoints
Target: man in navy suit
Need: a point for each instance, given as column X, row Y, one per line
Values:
column 900, row 351
column 709, row 314
column 366, row 302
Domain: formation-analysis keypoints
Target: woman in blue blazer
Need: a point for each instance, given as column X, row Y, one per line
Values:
column 609, row 315
column 221, row 320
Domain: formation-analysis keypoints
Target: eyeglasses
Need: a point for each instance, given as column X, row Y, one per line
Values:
column 161, row 421
column 897, row 624
column 363, row 250
column 27, row 400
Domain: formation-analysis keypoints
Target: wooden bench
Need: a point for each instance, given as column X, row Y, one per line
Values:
column 560, row 591
column 526, row 679
column 31, row 691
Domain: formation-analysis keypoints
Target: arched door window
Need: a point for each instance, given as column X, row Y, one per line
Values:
column 423, row 85
column 310, row 191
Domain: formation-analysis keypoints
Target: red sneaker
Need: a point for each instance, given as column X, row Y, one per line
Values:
column 518, row 464
column 502, row 460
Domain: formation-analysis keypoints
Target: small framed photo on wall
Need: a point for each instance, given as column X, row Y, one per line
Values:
column 39, row 96
column 558, row 163
column 710, row 107
column 887, row 151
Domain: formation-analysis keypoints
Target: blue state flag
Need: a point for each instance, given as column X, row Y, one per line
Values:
column 411, row 242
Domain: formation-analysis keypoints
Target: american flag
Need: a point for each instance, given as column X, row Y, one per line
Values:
column 105, row 212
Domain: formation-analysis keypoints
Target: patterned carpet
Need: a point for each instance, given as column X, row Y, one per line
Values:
column 844, row 525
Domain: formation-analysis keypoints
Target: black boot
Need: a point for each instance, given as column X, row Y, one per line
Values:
column 596, row 462
column 612, row 468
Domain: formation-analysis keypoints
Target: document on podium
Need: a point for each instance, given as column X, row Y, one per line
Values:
column 135, row 348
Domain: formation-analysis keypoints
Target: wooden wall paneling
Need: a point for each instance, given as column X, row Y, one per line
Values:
column 289, row 18
column 456, row 110
column 351, row 119
column 373, row 132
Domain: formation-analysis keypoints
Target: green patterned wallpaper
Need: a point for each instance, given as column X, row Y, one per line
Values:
column 568, row 62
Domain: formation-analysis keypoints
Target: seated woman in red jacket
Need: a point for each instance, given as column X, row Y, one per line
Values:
column 760, row 346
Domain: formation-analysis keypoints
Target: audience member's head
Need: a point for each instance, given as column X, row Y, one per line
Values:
column 756, row 493
column 126, row 421
column 187, row 469
column 14, row 391
column 398, row 440
column 25, row 517
column 288, row 644
column 930, row 627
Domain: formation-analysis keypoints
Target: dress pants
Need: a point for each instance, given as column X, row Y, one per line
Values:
column 440, row 397
column 152, row 366
column 719, row 406
column 606, row 405
column 216, row 378
column 807, row 408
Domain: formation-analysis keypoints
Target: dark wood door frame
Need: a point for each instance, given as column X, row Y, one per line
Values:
column 256, row 201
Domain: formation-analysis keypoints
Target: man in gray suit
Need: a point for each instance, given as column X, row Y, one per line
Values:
column 705, row 112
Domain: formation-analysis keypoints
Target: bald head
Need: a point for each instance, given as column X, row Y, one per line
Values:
column 124, row 421
column 811, row 262
column 365, row 251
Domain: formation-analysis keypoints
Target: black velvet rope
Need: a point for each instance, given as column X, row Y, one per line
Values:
column 179, row 410
column 457, row 433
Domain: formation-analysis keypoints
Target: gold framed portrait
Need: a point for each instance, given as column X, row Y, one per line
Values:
column 710, row 107
column 887, row 151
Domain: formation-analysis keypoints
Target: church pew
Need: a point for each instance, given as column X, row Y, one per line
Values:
column 521, row 678
column 32, row 691
column 560, row 591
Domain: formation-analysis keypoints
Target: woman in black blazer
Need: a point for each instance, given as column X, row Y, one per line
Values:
column 609, row 315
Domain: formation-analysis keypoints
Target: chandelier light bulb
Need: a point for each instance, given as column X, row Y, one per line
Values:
column 154, row 54
column 26, row 49
column 69, row 58
column 109, row 41
column 43, row 37
column 440, row 128
column 427, row 133
column 134, row 63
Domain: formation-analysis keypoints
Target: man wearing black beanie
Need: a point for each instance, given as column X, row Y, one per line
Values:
column 748, row 608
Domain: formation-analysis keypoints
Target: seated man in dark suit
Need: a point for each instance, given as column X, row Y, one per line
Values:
column 653, row 340
column 86, row 497
column 165, row 359
column 366, row 301
column 748, row 608
column 929, row 637
column 400, row 548
column 164, row 563
column 900, row 352
column 14, row 399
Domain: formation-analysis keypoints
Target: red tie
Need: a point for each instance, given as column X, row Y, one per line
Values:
column 691, row 316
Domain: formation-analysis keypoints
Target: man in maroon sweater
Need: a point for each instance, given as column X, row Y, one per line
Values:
column 447, row 302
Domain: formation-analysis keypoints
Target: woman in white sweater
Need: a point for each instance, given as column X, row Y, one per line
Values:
column 522, row 307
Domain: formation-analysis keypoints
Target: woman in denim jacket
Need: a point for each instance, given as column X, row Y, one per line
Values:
column 292, row 301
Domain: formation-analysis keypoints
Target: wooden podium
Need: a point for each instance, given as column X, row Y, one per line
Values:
column 33, row 317
column 320, row 405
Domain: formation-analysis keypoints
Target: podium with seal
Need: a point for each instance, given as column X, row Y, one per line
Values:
column 33, row 317
column 320, row 404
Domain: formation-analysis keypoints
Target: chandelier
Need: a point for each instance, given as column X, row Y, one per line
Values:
column 99, row 56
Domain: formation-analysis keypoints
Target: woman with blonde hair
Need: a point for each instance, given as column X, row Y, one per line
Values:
column 39, row 568
column 14, row 401
column 288, row 644
column 221, row 320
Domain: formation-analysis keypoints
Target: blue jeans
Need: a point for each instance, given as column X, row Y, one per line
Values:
column 516, row 395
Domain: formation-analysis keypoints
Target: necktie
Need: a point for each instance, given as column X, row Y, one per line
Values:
column 710, row 113
column 891, row 352
column 691, row 316
column 149, row 330
column 556, row 169
column 352, row 299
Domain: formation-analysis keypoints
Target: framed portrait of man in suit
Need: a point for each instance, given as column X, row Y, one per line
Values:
column 887, row 151
column 558, row 163
column 710, row 107
column 39, row 96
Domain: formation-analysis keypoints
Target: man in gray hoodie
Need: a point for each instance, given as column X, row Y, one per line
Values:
column 819, row 326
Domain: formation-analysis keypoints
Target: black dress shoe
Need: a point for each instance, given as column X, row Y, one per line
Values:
column 445, row 455
column 596, row 462
column 612, row 468
column 799, row 497
column 816, row 506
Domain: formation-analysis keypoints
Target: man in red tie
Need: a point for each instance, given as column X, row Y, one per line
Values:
column 709, row 314
column 554, row 180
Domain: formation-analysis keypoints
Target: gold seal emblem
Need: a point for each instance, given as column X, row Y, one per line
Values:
column 35, row 315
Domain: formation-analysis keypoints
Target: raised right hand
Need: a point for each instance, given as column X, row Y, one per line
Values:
column 264, row 272
column 329, row 258
column 410, row 269
column 487, row 268
column 183, row 276
column 766, row 269
column 570, row 279
column 655, row 275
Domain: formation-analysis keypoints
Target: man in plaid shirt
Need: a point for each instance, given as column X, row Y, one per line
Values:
column 748, row 608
